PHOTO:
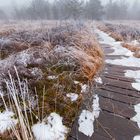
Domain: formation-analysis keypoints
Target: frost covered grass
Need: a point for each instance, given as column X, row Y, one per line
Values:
column 21, row 122
column 55, row 68
column 125, row 31
column 128, row 35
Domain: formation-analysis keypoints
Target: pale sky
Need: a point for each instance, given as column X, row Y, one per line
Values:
column 4, row 3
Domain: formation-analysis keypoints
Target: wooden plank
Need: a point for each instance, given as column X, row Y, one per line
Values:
column 108, row 126
column 117, row 77
column 118, row 127
column 123, row 91
column 118, row 83
column 118, row 97
column 122, row 68
column 115, row 73
column 117, row 108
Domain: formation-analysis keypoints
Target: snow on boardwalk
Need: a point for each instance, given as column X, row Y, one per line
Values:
column 119, row 96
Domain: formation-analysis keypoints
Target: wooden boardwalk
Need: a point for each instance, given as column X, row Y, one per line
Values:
column 117, row 99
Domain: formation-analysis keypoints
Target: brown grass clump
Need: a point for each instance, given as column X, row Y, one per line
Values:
column 112, row 33
column 89, row 54
column 133, row 48
column 116, row 36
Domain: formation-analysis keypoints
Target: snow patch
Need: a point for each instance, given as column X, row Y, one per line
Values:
column 136, row 86
column 83, row 88
column 136, row 118
column 86, row 121
column 98, row 80
column 53, row 130
column 130, row 61
column 76, row 82
column 136, row 75
column 7, row 121
column 87, row 118
column 106, row 39
column 133, row 74
column 136, row 138
column 72, row 96
column 53, row 77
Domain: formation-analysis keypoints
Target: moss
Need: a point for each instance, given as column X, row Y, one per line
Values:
column 3, row 54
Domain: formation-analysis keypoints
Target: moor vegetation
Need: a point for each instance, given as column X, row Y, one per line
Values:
column 40, row 66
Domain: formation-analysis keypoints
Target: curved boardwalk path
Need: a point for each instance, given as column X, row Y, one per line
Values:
column 117, row 99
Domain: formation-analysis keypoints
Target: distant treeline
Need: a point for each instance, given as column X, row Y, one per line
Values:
column 75, row 9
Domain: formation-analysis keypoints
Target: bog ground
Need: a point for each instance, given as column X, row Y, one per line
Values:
column 70, row 80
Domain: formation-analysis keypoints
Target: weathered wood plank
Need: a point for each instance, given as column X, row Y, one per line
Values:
column 117, row 77
column 118, row 97
column 117, row 108
column 108, row 126
column 132, row 93
column 118, row 83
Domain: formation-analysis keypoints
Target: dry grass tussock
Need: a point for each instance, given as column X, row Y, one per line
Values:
column 133, row 48
column 55, row 62
column 122, row 32
column 110, row 31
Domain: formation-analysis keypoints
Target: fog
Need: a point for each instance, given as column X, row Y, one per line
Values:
column 4, row 3
column 65, row 9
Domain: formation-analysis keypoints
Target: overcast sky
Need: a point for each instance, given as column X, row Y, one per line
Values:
column 4, row 3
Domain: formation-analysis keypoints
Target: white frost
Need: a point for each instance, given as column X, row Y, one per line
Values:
column 72, row 96
column 7, row 121
column 53, row 130
column 23, row 58
column 98, row 80
column 53, row 77
column 84, row 88
column 87, row 118
column 136, row 118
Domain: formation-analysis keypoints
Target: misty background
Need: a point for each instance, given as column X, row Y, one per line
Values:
column 69, row 9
